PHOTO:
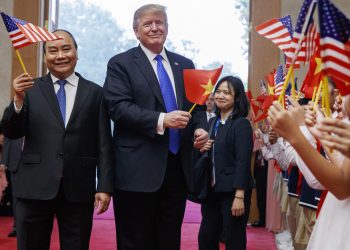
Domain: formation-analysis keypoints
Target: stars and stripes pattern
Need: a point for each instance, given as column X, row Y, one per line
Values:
column 308, row 47
column 302, row 38
column 334, row 42
column 311, row 42
column 279, row 31
column 263, row 90
column 279, row 80
column 23, row 33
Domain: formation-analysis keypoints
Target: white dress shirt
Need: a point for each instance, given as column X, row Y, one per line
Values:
column 210, row 115
column 309, row 177
column 150, row 55
column 71, row 90
column 283, row 153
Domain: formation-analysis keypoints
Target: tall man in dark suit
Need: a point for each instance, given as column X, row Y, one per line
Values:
column 67, row 134
column 153, row 136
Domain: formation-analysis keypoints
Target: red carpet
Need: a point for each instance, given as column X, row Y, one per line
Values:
column 103, row 233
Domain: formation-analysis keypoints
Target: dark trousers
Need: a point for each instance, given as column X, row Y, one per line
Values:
column 152, row 221
column 260, row 175
column 34, row 219
column 217, row 215
column 14, row 203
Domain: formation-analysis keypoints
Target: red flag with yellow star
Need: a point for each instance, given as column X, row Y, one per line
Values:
column 200, row 83
column 313, row 77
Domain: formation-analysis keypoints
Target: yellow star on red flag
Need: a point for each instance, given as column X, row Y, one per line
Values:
column 208, row 87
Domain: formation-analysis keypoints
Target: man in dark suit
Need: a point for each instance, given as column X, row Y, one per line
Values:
column 10, row 158
column 67, row 134
column 153, row 136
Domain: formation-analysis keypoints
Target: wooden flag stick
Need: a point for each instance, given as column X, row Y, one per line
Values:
column 285, row 84
column 21, row 61
column 194, row 105
column 314, row 94
column 293, row 85
column 326, row 97
column 318, row 95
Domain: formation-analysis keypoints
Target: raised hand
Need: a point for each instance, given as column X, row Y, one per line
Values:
column 335, row 135
column 22, row 83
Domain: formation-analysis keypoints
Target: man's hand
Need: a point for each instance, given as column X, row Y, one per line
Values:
column 102, row 202
column 200, row 138
column 21, row 83
column 176, row 119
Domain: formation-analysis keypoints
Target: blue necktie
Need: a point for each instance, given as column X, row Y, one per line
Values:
column 170, row 103
column 61, row 97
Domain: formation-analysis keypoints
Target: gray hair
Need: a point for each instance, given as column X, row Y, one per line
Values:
column 149, row 7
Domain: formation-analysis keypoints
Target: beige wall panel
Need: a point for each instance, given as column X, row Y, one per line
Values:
column 6, row 58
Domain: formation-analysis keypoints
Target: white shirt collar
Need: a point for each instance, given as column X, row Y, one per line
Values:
column 73, row 79
column 150, row 55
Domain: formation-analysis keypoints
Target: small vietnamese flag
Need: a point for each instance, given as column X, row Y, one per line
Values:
column 313, row 77
column 200, row 83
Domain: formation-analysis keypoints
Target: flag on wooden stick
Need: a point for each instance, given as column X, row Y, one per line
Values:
column 23, row 33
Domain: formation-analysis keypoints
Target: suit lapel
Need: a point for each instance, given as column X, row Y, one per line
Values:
column 146, row 69
column 81, row 95
column 177, row 72
column 46, row 85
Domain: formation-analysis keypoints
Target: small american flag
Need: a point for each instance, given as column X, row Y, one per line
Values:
column 289, row 93
column 306, row 36
column 279, row 80
column 263, row 90
column 279, row 31
column 335, row 42
column 23, row 33
column 311, row 42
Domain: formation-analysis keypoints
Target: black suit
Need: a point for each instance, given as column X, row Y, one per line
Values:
column 57, row 170
column 150, row 181
column 10, row 157
column 231, row 154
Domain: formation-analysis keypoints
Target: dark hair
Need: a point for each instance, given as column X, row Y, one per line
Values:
column 70, row 34
column 304, row 101
column 241, row 104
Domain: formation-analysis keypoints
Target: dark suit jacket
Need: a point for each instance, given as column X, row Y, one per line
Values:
column 233, row 146
column 11, row 153
column 53, row 153
column 135, row 102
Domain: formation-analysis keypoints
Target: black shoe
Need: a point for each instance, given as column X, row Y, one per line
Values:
column 12, row 234
column 258, row 224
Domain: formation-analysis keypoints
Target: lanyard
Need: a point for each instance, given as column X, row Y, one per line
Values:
column 216, row 127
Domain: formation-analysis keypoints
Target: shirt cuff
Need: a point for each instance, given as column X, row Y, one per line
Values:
column 17, row 110
column 309, row 137
column 160, row 125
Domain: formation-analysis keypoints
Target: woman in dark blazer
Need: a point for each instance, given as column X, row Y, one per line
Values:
column 230, row 148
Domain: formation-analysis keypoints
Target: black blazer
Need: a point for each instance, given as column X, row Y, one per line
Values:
column 11, row 153
column 135, row 102
column 233, row 147
column 53, row 153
